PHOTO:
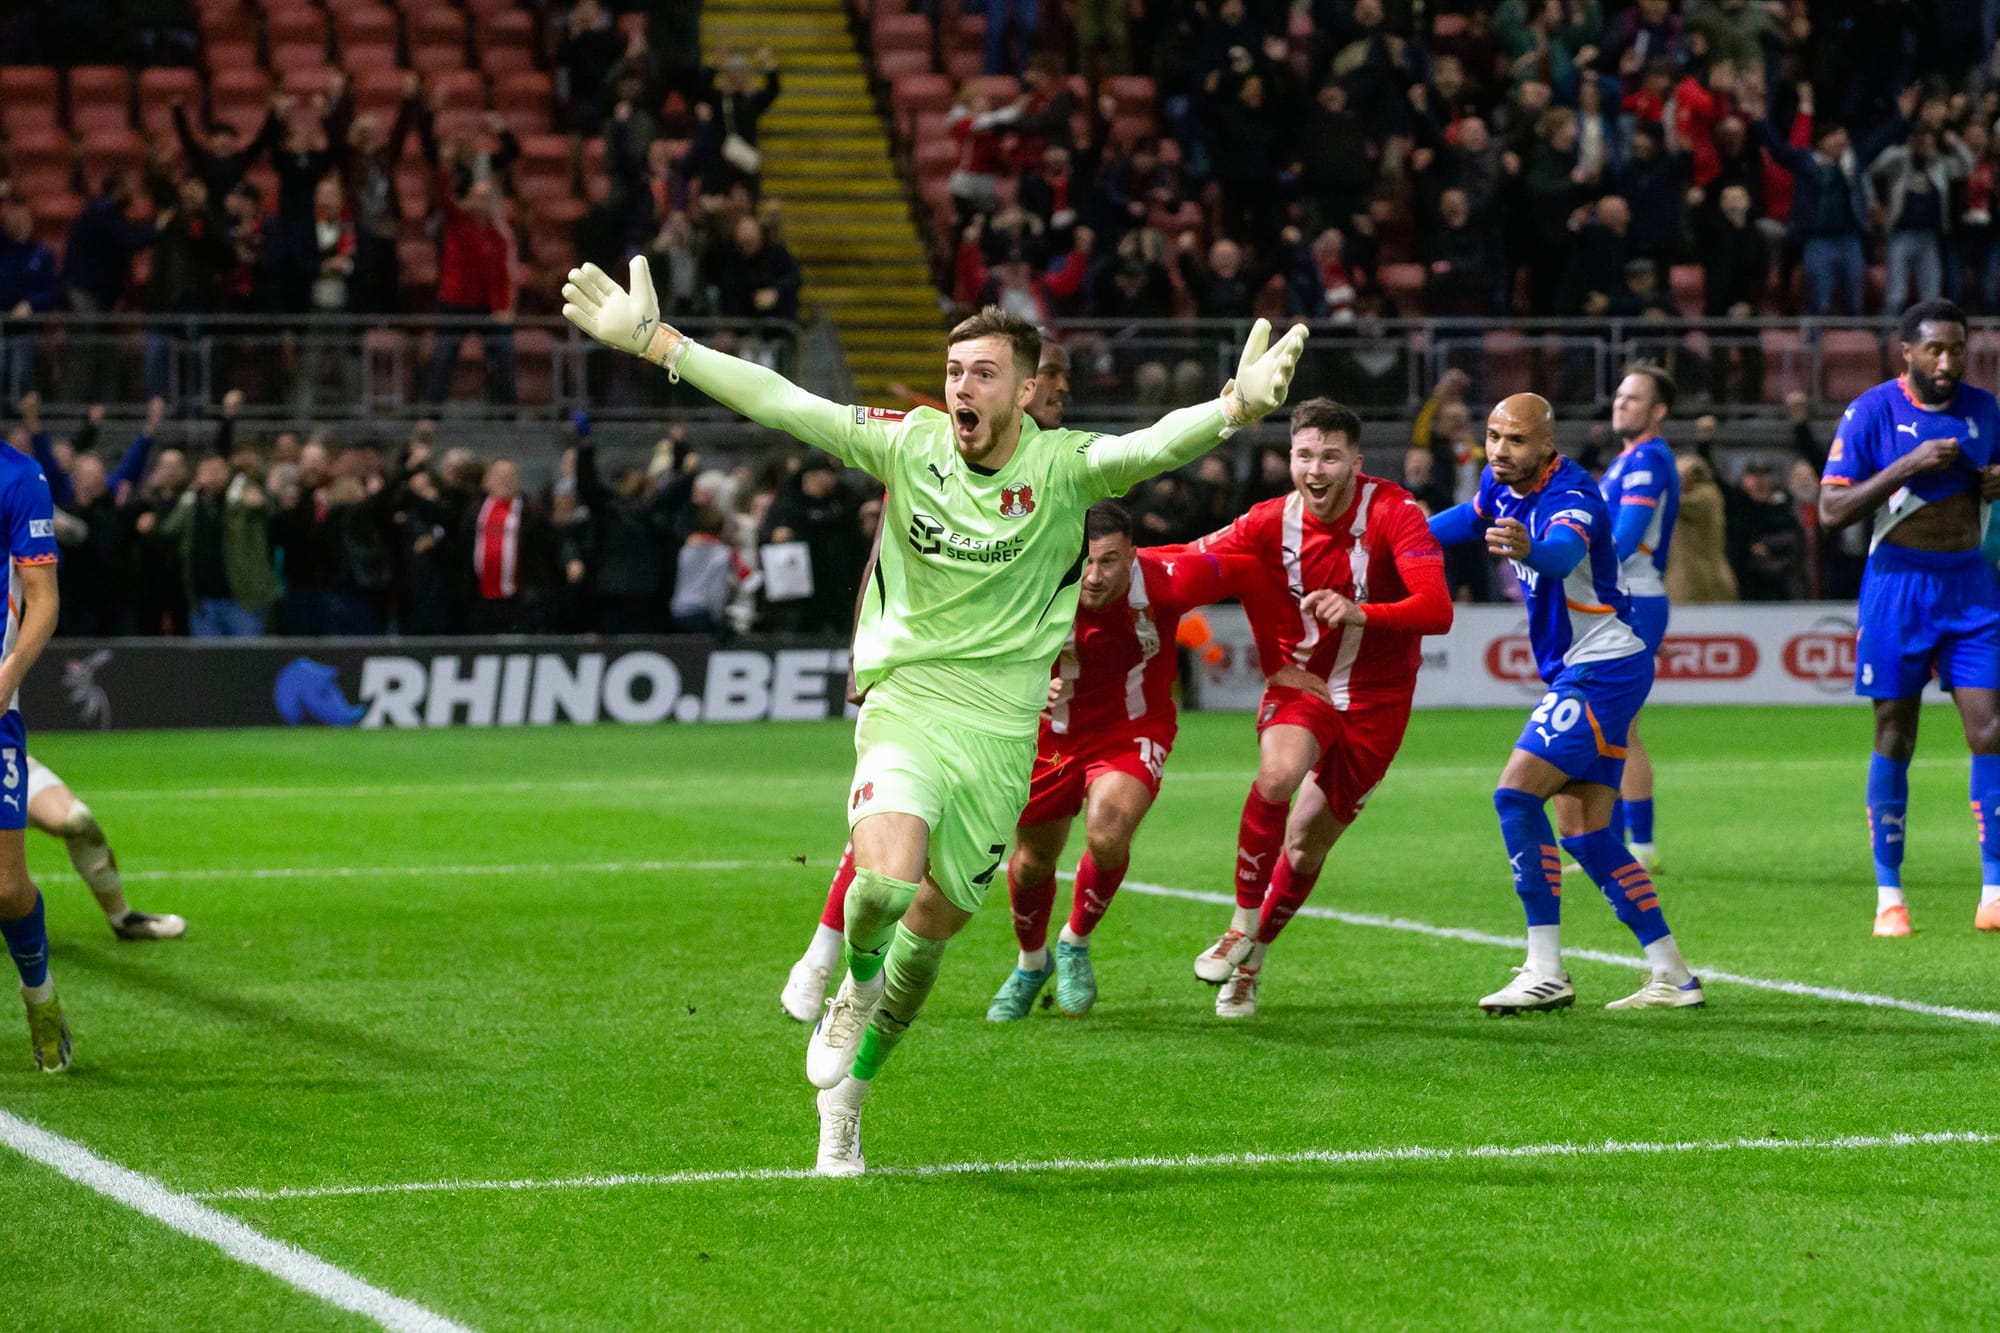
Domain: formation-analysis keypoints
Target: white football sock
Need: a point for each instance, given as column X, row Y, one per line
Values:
column 1988, row 893
column 1038, row 961
column 1665, row 956
column 1255, row 961
column 1069, row 936
column 1545, row 950
column 1886, row 897
column 1245, row 919
column 850, row 1090
column 43, row 993
column 824, row 951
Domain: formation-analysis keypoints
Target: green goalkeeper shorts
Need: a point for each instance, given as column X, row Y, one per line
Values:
column 969, row 786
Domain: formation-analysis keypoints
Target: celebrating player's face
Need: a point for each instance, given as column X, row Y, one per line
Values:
column 1107, row 571
column 986, row 394
column 1051, row 387
column 1323, row 468
column 1520, row 439
column 1632, row 408
column 1936, row 360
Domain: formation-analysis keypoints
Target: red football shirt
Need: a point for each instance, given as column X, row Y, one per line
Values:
column 1379, row 554
column 1119, row 664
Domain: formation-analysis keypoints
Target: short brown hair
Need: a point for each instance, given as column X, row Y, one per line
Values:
column 993, row 322
column 1664, row 388
column 1329, row 418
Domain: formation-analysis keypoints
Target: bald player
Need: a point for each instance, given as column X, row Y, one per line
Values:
column 1545, row 514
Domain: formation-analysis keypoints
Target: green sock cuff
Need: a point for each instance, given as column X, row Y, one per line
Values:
column 866, row 966
column 912, row 945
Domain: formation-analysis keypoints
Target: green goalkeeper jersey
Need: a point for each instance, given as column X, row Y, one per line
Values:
column 976, row 587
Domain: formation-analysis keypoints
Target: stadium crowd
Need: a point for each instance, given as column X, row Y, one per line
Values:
column 1534, row 157
column 223, row 534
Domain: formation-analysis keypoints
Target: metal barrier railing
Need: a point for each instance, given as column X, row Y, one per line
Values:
column 345, row 367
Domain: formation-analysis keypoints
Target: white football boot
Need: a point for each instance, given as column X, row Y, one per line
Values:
column 830, row 1053
column 1238, row 996
column 1217, row 963
column 804, row 996
column 1531, row 992
column 840, row 1129
column 1660, row 993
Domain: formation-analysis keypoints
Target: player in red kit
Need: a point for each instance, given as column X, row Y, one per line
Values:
column 1105, row 737
column 1364, row 582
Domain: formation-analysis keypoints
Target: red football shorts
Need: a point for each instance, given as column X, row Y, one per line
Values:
column 1065, row 766
column 1356, row 745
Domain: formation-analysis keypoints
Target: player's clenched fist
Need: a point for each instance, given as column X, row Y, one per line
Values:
column 1935, row 455
column 1508, row 538
column 1264, row 375
column 628, row 320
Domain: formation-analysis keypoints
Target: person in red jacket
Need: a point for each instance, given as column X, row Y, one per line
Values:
column 1364, row 582
column 475, row 285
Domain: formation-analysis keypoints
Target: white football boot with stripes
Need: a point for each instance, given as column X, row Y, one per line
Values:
column 1531, row 992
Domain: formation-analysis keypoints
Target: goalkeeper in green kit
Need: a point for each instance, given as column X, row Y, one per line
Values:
column 967, row 610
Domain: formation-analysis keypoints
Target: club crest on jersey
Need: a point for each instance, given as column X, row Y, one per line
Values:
column 863, row 795
column 1017, row 501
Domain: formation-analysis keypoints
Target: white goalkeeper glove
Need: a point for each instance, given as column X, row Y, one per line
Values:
column 1263, row 376
column 627, row 320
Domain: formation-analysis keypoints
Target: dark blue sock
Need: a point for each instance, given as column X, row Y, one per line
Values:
column 1638, row 821
column 1888, row 813
column 1618, row 820
column 1623, row 880
column 28, row 940
column 1986, row 809
column 1531, row 850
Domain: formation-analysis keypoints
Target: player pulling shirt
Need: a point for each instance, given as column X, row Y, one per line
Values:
column 1929, row 601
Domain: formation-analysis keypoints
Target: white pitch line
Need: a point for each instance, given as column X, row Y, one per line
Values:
column 1191, row 1162
column 316, row 792
column 1834, row 993
column 448, row 871
column 1986, row 1017
column 288, row 1263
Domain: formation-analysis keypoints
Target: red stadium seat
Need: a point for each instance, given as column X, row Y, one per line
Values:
column 529, row 90
column 893, row 65
column 228, row 21
column 466, row 122
column 39, row 151
column 99, row 118
column 96, row 85
column 237, row 89
column 964, row 63
column 159, row 89
column 1128, row 130
column 358, row 59
column 119, row 150
column 900, row 32
column 297, row 57
column 232, row 55
column 1403, row 284
column 434, row 23
column 916, row 95
column 534, row 365
column 55, row 211
column 1850, row 363
column 287, row 22
column 504, row 29
column 1133, row 94
column 460, row 90
column 1689, row 286
column 934, row 160
column 362, row 24
column 1001, row 89
column 1785, row 363
column 28, row 97
column 437, row 58
column 502, row 61
column 480, row 9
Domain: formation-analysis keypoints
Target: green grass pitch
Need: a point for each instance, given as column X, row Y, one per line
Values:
column 491, row 955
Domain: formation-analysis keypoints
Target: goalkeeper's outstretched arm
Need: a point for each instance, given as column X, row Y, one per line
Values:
column 1263, row 377
column 629, row 320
